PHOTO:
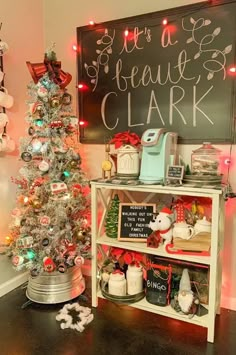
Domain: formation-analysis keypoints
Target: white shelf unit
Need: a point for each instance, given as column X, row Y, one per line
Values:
column 101, row 195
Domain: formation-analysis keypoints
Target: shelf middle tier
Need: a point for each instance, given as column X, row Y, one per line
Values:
column 160, row 251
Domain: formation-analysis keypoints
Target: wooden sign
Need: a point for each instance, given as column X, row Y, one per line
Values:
column 174, row 77
column 134, row 220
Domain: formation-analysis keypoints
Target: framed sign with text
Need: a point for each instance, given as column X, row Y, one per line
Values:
column 174, row 77
column 133, row 221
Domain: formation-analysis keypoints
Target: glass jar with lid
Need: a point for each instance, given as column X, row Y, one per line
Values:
column 205, row 160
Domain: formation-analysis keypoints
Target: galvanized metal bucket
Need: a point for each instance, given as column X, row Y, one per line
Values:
column 56, row 287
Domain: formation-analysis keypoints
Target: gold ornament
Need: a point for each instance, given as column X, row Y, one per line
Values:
column 55, row 102
column 81, row 235
column 73, row 163
column 36, row 204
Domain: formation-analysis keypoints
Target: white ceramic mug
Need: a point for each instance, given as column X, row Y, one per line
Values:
column 1, row 76
column 3, row 47
column 3, row 119
column 7, row 144
column 183, row 230
column 6, row 100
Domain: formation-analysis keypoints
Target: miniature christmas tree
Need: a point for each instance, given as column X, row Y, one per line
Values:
column 112, row 218
column 50, row 230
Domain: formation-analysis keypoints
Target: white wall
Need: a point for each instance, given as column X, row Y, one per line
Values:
column 57, row 20
column 22, row 29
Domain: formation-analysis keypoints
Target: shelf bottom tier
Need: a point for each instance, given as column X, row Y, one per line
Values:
column 167, row 311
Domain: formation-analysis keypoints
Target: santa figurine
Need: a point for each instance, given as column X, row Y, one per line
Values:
column 185, row 302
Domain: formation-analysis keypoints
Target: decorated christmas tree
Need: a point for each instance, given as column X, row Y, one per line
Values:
column 50, row 229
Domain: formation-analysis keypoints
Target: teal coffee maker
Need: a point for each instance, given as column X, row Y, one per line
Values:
column 159, row 151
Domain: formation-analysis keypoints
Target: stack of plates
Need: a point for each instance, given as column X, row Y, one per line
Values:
column 202, row 180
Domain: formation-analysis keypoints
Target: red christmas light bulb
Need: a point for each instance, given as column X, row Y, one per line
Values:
column 126, row 33
column 74, row 47
column 91, row 22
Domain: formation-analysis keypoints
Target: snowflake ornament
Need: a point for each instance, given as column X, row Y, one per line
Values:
column 84, row 317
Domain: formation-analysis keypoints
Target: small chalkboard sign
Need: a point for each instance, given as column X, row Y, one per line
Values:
column 133, row 221
column 174, row 174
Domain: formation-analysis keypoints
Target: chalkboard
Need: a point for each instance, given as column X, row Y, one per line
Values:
column 175, row 172
column 174, row 76
column 134, row 220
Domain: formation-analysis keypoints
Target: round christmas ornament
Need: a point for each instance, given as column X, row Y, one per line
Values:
column 36, row 204
column 66, row 99
column 17, row 260
column 79, row 261
column 36, row 146
column 45, row 242
column 37, row 109
column 62, row 268
column 42, row 92
column 39, row 122
column 22, row 222
column 55, row 102
column 16, row 212
column 44, row 220
column 48, row 264
column 26, row 156
column 73, row 163
column 34, row 272
column 44, row 166
column 31, row 131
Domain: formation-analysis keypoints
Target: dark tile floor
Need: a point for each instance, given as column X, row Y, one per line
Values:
column 115, row 330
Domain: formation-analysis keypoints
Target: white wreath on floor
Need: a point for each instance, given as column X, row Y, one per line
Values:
column 84, row 314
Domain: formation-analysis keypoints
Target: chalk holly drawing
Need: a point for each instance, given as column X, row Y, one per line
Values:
column 217, row 62
column 102, row 61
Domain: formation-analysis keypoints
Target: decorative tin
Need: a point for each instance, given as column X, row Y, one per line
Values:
column 128, row 162
column 56, row 287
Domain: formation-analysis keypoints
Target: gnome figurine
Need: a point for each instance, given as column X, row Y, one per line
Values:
column 185, row 301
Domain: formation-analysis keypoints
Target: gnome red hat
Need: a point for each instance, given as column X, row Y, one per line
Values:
column 166, row 210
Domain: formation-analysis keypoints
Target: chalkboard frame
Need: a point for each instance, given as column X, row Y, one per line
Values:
column 120, row 220
column 130, row 21
column 179, row 176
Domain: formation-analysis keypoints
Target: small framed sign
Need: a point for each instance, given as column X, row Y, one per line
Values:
column 174, row 174
column 133, row 221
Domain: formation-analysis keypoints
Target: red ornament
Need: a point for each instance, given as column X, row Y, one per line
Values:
column 44, row 220
column 56, row 124
column 48, row 264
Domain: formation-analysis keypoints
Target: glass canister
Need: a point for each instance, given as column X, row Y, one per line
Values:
column 205, row 160
column 117, row 283
column 134, row 277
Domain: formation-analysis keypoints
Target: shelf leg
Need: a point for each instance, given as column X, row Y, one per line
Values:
column 94, row 231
